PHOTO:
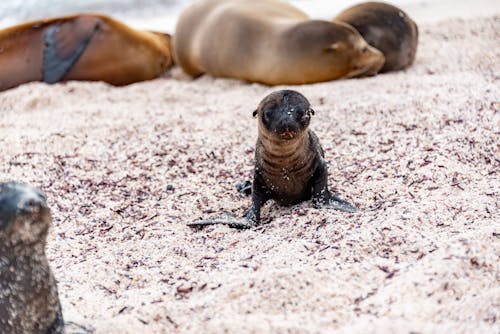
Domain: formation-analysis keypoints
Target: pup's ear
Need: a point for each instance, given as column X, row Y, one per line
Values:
column 310, row 111
column 255, row 112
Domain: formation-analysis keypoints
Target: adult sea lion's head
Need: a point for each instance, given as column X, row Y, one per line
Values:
column 387, row 28
column 164, row 41
column 337, row 47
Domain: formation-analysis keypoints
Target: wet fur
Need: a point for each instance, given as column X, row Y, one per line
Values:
column 289, row 160
column 285, row 169
column 290, row 170
column 32, row 306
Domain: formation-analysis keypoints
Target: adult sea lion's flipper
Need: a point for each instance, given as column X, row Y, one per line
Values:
column 65, row 42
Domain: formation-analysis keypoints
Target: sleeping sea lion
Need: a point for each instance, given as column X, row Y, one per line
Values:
column 270, row 42
column 387, row 28
column 289, row 160
column 29, row 300
column 81, row 47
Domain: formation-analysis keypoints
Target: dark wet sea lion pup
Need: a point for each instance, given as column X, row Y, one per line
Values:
column 289, row 160
column 29, row 300
column 387, row 28
column 81, row 47
column 270, row 42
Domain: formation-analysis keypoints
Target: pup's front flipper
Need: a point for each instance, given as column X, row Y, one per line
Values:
column 335, row 203
column 229, row 220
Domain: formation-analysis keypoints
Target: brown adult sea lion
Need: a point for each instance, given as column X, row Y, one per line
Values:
column 268, row 41
column 387, row 28
column 81, row 47
column 289, row 160
column 29, row 300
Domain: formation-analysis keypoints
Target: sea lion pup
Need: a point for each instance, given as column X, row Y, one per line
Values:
column 289, row 160
column 87, row 47
column 29, row 300
column 270, row 42
column 387, row 28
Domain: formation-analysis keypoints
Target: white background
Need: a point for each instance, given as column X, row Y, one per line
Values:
column 161, row 15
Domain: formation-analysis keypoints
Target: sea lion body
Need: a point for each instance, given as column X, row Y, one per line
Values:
column 285, row 169
column 289, row 161
column 268, row 41
column 387, row 28
column 29, row 300
column 87, row 47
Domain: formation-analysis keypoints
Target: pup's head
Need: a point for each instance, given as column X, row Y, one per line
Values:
column 24, row 215
column 284, row 114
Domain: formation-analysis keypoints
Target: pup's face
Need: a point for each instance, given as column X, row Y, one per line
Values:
column 24, row 214
column 284, row 114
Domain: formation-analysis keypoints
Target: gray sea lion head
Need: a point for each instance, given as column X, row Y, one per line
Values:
column 24, row 214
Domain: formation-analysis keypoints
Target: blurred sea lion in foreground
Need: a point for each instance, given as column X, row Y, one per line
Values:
column 81, row 47
column 270, row 42
column 388, row 29
column 29, row 300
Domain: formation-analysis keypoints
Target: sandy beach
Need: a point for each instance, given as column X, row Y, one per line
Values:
column 125, row 168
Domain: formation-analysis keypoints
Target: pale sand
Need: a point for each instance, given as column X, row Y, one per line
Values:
column 417, row 150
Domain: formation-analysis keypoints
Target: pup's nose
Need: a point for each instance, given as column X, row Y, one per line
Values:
column 287, row 135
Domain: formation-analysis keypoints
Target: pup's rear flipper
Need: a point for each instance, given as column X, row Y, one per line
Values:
column 65, row 42
column 244, row 187
column 231, row 221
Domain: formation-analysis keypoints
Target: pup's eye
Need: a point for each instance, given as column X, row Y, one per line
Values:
column 268, row 113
